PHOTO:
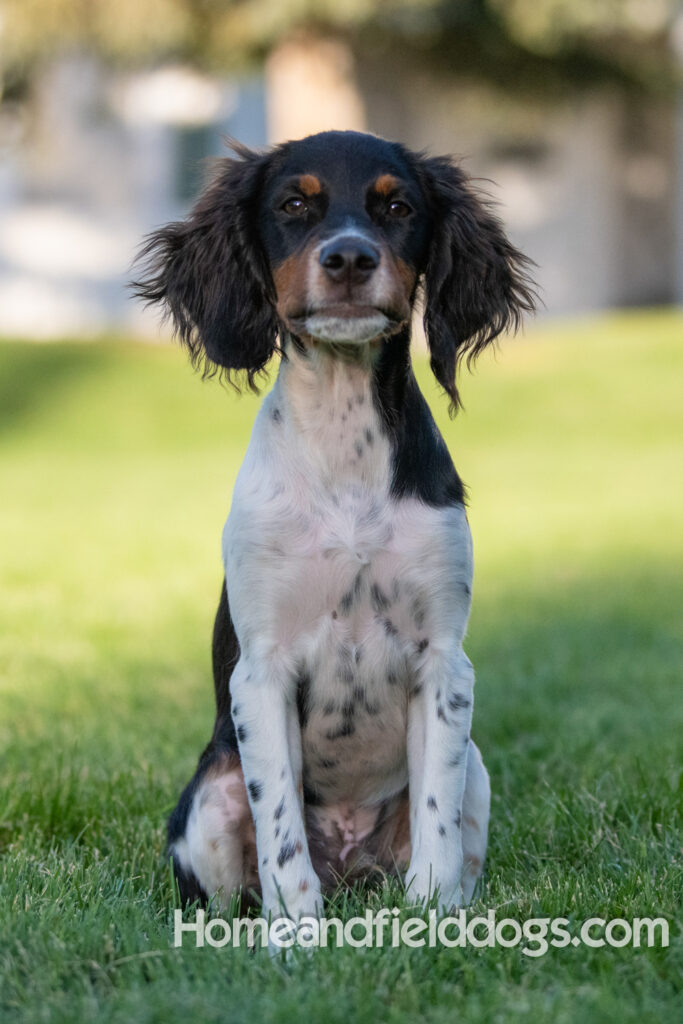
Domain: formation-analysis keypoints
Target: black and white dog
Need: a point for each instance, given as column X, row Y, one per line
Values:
column 344, row 697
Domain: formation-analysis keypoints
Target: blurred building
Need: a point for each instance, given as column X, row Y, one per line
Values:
column 589, row 185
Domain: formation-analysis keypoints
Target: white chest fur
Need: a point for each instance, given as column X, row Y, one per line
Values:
column 329, row 576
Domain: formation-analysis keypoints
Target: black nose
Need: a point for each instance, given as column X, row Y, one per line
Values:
column 349, row 258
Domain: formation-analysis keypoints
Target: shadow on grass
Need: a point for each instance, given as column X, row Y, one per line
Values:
column 32, row 376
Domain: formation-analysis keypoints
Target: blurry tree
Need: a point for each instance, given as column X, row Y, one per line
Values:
column 515, row 41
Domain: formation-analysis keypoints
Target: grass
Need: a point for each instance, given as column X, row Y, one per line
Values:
column 117, row 466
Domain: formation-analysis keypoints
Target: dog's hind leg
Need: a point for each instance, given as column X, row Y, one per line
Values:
column 211, row 831
column 475, row 821
column 211, row 834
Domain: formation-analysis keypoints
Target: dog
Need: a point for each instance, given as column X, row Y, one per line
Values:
column 341, row 745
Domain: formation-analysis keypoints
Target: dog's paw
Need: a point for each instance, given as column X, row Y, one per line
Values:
column 425, row 889
column 301, row 902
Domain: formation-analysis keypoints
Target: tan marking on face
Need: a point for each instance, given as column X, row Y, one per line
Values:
column 310, row 185
column 386, row 184
column 290, row 280
column 301, row 284
column 406, row 276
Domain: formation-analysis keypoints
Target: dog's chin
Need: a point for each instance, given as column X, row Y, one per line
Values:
column 354, row 325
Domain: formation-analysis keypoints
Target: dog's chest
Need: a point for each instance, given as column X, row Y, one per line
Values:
column 341, row 581
column 351, row 609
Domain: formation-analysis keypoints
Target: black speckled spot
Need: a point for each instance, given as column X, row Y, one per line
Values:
column 466, row 589
column 235, row 710
column 348, row 707
column 389, row 627
column 256, row 790
column 329, row 708
column 288, row 850
column 415, row 691
column 422, row 645
column 369, row 436
column 456, row 701
column 417, row 611
column 279, row 810
column 303, row 695
column 276, row 415
column 241, row 733
column 351, row 596
column 358, row 447
column 392, row 678
column 442, row 830
column 380, row 601
column 440, row 713
column 457, row 819
column 311, row 796
column 347, row 728
column 431, row 803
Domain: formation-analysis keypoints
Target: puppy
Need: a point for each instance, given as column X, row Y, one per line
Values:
column 343, row 694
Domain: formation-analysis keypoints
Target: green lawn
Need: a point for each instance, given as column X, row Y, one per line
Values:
column 116, row 469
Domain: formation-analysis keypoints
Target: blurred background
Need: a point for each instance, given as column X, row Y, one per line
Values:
column 572, row 107
column 117, row 465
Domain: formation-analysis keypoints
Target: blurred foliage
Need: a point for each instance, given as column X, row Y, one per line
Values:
column 583, row 39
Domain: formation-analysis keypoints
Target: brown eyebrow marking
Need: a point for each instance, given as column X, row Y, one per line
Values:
column 310, row 185
column 386, row 184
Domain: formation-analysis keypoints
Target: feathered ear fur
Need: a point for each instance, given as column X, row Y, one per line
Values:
column 476, row 283
column 210, row 275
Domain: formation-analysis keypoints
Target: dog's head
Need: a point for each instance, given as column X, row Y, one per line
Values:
column 328, row 239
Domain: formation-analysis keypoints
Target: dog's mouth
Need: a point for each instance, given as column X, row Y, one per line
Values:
column 346, row 322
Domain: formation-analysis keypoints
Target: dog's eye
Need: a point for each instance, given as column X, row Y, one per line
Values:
column 397, row 208
column 294, row 207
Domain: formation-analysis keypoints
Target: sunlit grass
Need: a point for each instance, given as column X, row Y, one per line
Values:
column 116, row 469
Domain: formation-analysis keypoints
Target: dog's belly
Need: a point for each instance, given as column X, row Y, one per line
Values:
column 362, row 630
column 354, row 722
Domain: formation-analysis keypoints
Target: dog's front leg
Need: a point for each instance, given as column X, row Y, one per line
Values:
column 264, row 711
column 439, row 720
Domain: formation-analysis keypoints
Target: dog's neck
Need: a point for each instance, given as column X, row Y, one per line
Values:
column 329, row 398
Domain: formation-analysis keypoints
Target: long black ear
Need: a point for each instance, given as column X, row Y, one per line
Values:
column 210, row 275
column 476, row 282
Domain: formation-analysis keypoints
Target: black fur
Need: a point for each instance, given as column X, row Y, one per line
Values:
column 476, row 283
column 210, row 274
column 422, row 465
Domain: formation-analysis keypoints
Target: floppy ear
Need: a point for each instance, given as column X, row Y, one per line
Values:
column 476, row 282
column 210, row 275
